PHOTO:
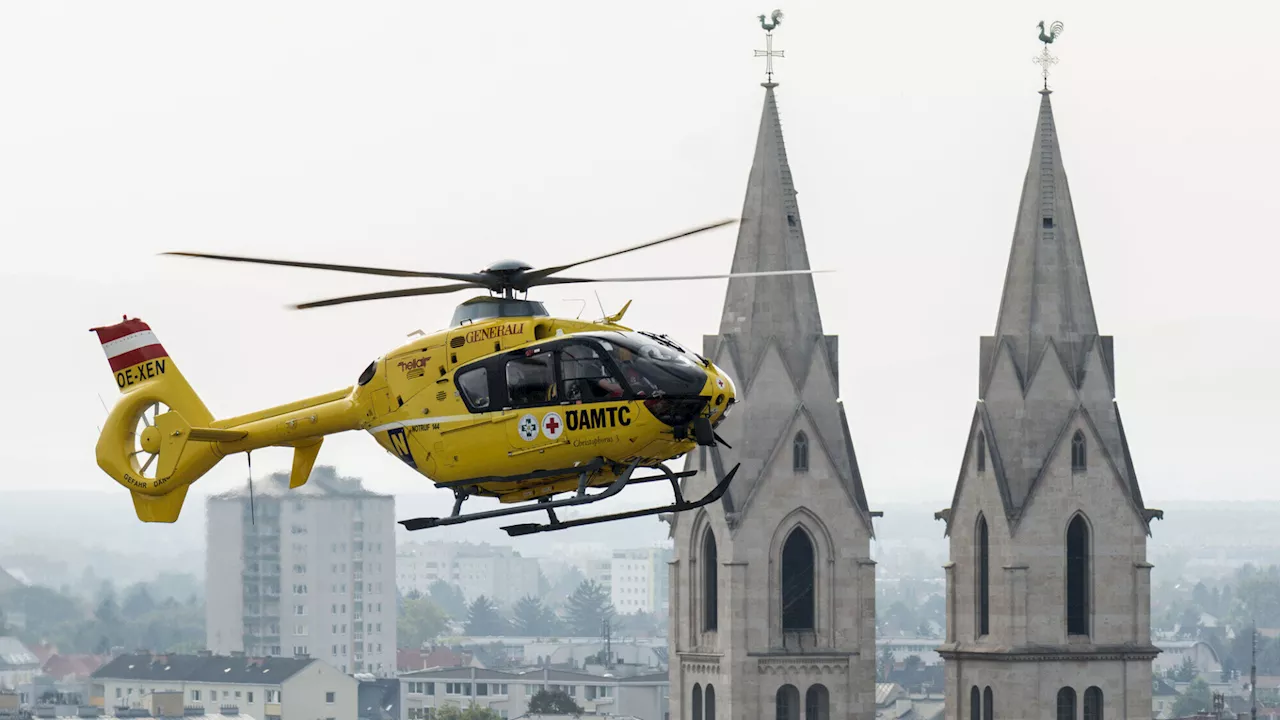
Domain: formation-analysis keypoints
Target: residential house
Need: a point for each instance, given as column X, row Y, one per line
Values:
column 508, row 693
column 271, row 688
column 18, row 665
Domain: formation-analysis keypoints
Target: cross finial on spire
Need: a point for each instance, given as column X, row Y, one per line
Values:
column 1045, row 60
column 769, row 22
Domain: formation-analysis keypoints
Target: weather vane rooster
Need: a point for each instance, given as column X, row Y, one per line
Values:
column 1045, row 60
column 1054, row 31
column 769, row 53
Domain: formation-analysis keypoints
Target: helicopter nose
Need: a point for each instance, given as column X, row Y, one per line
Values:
column 723, row 393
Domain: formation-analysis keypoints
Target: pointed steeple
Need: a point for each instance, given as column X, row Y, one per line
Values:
column 1046, row 290
column 771, row 237
column 771, row 343
column 1046, row 364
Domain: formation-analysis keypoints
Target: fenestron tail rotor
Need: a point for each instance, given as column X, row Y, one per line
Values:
column 507, row 277
column 146, row 441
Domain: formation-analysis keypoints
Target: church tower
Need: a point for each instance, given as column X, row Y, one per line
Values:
column 1048, row 585
column 772, row 588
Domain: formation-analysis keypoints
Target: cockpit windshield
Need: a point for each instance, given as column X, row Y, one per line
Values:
column 651, row 368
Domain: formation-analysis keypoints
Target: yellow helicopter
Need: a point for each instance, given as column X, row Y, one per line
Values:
column 507, row 402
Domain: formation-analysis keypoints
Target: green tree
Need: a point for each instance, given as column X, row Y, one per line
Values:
column 472, row 712
column 565, row 584
column 534, row 619
column 107, row 613
column 587, row 609
column 43, row 607
column 546, row 702
column 420, row 621
column 1197, row 698
column 483, row 618
column 1187, row 671
column 137, row 601
column 886, row 663
column 912, row 663
column 1189, row 623
column 448, row 598
column 637, row 623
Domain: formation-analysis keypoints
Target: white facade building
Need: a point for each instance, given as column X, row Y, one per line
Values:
column 269, row 688
column 508, row 694
column 640, row 580
column 497, row 572
column 310, row 572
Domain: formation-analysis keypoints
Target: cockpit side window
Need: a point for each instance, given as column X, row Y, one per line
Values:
column 531, row 380
column 474, row 385
column 586, row 377
column 652, row 369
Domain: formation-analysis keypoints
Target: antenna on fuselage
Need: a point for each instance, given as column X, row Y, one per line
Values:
column 601, row 303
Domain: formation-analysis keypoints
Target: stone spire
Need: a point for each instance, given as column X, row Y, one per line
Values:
column 771, row 342
column 1046, row 290
column 771, row 237
column 1047, row 363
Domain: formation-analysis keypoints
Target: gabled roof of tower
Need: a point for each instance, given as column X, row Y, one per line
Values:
column 770, row 238
column 771, row 340
column 1046, row 290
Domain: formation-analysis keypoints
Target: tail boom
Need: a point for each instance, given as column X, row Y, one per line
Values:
column 183, row 443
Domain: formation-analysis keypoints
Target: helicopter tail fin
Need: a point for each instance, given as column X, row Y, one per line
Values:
column 156, row 440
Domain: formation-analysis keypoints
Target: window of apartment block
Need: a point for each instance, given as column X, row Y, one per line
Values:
column 329, row 698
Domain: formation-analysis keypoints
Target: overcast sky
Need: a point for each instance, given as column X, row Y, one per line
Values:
column 445, row 136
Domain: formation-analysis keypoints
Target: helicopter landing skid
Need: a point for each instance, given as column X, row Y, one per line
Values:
column 580, row 497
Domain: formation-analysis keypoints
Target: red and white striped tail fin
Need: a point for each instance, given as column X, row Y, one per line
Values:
column 133, row 351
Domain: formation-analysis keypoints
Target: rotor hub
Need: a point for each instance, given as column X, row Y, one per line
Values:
column 150, row 440
column 507, row 267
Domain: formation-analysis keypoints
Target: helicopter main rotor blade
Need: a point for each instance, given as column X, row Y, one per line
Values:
column 539, row 277
column 664, row 278
column 409, row 292
column 466, row 277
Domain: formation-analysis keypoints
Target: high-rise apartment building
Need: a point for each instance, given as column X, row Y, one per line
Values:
column 640, row 579
column 306, row 571
column 498, row 572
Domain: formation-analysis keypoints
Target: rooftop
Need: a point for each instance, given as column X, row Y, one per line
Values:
column 14, row 654
column 324, row 482
column 465, row 673
column 203, row 668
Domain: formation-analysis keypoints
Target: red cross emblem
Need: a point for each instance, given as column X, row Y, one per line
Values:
column 552, row 425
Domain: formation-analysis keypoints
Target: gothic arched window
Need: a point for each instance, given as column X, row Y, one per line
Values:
column 798, row 582
column 817, row 703
column 1078, row 458
column 710, row 567
column 800, row 452
column 975, row 703
column 696, row 702
column 1078, row 576
column 1093, row 703
column 711, row 703
column 988, row 704
column 1067, row 704
column 983, row 548
column 787, row 703
column 982, row 452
